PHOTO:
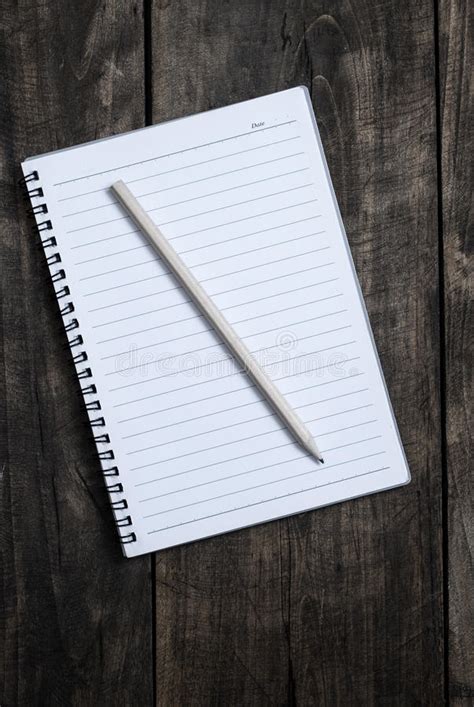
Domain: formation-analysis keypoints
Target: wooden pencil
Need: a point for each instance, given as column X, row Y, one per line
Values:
column 235, row 345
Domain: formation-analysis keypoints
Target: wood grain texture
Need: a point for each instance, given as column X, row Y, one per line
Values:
column 456, row 104
column 76, row 625
column 343, row 605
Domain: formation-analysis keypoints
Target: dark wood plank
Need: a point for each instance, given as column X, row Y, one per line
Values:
column 222, row 605
column 367, row 576
column 221, row 621
column 456, row 91
column 350, row 596
column 76, row 625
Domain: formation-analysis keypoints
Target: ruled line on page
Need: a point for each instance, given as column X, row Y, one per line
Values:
column 215, row 159
column 211, row 228
column 230, row 375
column 231, row 392
column 154, row 259
column 213, row 447
column 230, row 171
column 236, row 407
column 202, row 213
column 194, row 198
column 218, row 480
column 190, row 250
column 187, row 301
column 222, row 345
column 153, row 311
column 240, row 203
column 231, row 409
column 263, row 434
column 239, row 458
column 237, row 491
column 287, row 292
column 259, row 282
column 233, row 188
column 247, row 472
column 203, row 331
column 218, row 344
column 237, row 372
column 267, row 280
column 254, row 419
column 235, row 424
column 196, row 164
column 162, row 326
column 247, row 218
column 172, row 154
column 227, row 257
column 268, row 500
column 107, row 256
column 217, row 277
column 281, row 428
column 210, row 245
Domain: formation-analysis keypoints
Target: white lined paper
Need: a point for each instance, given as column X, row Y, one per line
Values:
column 252, row 214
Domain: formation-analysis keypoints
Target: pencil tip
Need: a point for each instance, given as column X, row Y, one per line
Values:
column 310, row 446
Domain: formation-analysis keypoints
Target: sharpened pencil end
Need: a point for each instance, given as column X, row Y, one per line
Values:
column 311, row 447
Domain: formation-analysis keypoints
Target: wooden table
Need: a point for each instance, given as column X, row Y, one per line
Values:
column 365, row 603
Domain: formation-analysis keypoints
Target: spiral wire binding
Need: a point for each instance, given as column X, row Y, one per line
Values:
column 58, row 277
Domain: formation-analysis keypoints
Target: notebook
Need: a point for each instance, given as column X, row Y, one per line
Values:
column 188, row 447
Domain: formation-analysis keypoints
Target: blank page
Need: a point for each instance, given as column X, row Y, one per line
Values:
column 244, row 196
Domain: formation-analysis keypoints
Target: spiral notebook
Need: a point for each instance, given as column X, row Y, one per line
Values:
column 187, row 445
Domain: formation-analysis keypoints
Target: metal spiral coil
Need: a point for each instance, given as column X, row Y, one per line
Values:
column 33, row 190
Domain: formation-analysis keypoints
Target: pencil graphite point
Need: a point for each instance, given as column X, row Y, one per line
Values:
column 313, row 450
